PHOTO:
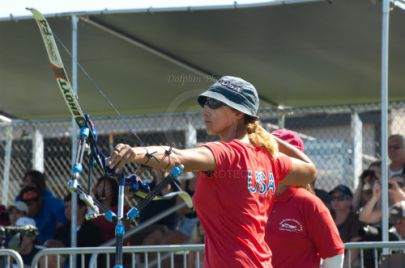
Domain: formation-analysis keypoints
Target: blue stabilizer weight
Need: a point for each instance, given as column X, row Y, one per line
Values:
column 177, row 170
column 84, row 132
column 72, row 185
column 119, row 229
column 145, row 187
column 133, row 213
column 118, row 266
column 110, row 216
column 77, row 168
column 136, row 184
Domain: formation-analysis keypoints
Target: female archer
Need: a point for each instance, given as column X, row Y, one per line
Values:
column 238, row 175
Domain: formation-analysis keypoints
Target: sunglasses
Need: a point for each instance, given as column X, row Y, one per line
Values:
column 394, row 147
column 212, row 103
column 400, row 184
column 340, row 197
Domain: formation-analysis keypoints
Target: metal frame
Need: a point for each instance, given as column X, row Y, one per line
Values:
column 173, row 249
column 13, row 254
column 386, row 246
column 152, row 9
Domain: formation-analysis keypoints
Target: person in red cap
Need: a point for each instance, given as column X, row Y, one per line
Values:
column 301, row 219
column 238, row 175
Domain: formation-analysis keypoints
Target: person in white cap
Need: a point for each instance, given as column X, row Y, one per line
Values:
column 17, row 210
column 24, row 240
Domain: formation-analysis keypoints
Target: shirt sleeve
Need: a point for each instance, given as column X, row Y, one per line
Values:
column 223, row 153
column 324, row 233
column 284, row 165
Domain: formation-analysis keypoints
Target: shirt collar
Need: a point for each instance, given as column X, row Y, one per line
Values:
column 287, row 194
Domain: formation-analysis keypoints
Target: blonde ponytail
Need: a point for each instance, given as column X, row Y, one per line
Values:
column 259, row 137
column 308, row 187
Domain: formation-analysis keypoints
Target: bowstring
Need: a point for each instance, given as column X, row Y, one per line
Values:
column 109, row 102
column 101, row 92
column 95, row 84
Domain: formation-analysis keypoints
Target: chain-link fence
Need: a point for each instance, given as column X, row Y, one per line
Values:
column 341, row 140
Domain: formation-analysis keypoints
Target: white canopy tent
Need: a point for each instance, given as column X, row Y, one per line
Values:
column 17, row 9
column 96, row 16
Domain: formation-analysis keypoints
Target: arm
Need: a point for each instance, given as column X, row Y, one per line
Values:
column 194, row 159
column 303, row 171
column 333, row 262
column 322, row 231
column 357, row 196
column 395, row 192
column 368, row 214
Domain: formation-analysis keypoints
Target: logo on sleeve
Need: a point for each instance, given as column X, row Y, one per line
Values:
column 260, row 182
column 290, row 225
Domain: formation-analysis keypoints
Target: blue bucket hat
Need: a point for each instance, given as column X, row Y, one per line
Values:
column 343, row 189
column 234, row 92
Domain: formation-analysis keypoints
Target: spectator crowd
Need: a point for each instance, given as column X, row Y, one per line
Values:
column 357, row 214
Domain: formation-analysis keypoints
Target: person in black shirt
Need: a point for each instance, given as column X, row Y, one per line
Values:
column 88, row 234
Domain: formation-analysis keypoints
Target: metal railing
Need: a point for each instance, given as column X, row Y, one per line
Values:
column 153, row 256
column 136, row 253
column 5, row 258
column 376, row 250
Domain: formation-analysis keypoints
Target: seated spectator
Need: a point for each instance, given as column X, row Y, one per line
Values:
column 367, row 178
column 106, row 192
column 397, row 219
column 188, row 218
column 47, row 213
column 371, row 213
column 17, row 210
column 153, row 233
column 53, row 261
column 25, row 241
column 37, row 179
column 88, row 234
column 345, row 218
column 4, row 220
column 396, row 153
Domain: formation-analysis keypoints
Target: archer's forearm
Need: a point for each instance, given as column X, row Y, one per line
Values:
column 159, row 157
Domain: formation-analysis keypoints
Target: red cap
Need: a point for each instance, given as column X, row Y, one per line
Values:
column 290, row 137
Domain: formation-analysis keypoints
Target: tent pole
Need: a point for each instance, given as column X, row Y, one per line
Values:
column 356, row 129
column 7, row 164
column 384, row 119
column 73, row 223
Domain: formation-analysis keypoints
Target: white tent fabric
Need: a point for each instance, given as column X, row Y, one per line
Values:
column 16, row 9
column 296, row 55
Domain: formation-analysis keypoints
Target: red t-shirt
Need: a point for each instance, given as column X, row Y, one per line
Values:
column 106, row 227
column 301, row 230
column 233, row 203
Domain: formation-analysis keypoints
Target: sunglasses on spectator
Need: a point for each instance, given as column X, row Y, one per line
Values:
column 394, row 147
column 367, row 173
column 212, row 103
column 340, row 197
column 400, row 184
